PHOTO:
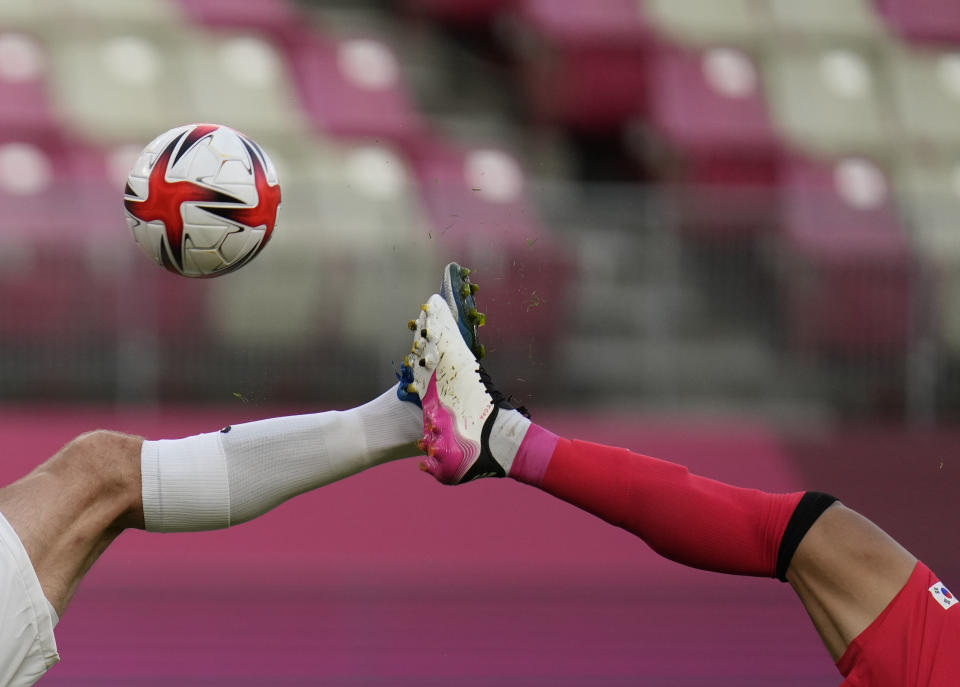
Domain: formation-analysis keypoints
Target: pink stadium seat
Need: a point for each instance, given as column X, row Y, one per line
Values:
column 584, row 63
column 708, row 109
column 45, row 224
column 847, row 261
column 459, row 11
column 353, row 87
column 38, row 177
column 24, row 107
column 935, row 21
column 272, row 16
column 482, row 216
column 67, row 250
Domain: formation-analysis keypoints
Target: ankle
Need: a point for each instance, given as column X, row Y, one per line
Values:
column 532, row 456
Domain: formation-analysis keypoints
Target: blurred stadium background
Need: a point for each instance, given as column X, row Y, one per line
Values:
column 720, row 231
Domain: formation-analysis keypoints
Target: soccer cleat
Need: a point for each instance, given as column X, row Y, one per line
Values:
column 460, row 404
column 458, row 291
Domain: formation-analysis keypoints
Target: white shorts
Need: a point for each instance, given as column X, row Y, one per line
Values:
column 27, row 646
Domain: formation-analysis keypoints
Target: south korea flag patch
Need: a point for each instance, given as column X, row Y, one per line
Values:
column 943, row 595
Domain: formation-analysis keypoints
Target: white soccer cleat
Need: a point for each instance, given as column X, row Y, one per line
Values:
column 459, row 401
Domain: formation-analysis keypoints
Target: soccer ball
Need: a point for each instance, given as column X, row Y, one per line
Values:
column 202, row 200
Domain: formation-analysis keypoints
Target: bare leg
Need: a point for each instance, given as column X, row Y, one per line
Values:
column 846, row 570
column 90, row 491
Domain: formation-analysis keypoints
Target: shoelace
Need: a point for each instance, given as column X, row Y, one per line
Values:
column 498, row 398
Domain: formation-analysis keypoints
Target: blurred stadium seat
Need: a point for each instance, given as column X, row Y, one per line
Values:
column 25, row 16
column 848, row 269
column 846, row 22
column 708, row 22
column 926, row 94
column 928, row 191
column 50, row 235
column 353, row 86
column 24, row 105
column 829, row 101
column 241, row 80
column 153, row 16
column 583, row 65
column 274, row 17
column 707, row 110
column 120, row 86
column 933, row 21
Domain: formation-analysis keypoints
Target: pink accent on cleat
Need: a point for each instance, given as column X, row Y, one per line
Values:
column 534, row 455
column 452, row 454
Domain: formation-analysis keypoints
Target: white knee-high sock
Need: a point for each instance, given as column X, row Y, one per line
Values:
column 211, row 481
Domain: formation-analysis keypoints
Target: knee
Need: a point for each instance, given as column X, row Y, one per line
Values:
column 108, row 462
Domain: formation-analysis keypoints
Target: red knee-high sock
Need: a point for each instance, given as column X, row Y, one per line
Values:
column 689, row 519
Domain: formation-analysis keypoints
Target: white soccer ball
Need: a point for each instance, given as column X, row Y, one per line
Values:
column 202, row 200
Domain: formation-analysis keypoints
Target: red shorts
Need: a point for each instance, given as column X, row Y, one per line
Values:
column 915, row 642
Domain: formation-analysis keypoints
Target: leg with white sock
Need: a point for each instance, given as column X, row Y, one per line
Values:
column 223, row 478
column 56, row 521
column 68, row 510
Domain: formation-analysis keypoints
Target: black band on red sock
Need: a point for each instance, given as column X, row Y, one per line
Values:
column 811, row 507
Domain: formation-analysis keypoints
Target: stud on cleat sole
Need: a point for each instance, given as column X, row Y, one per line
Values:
column 412, row 325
